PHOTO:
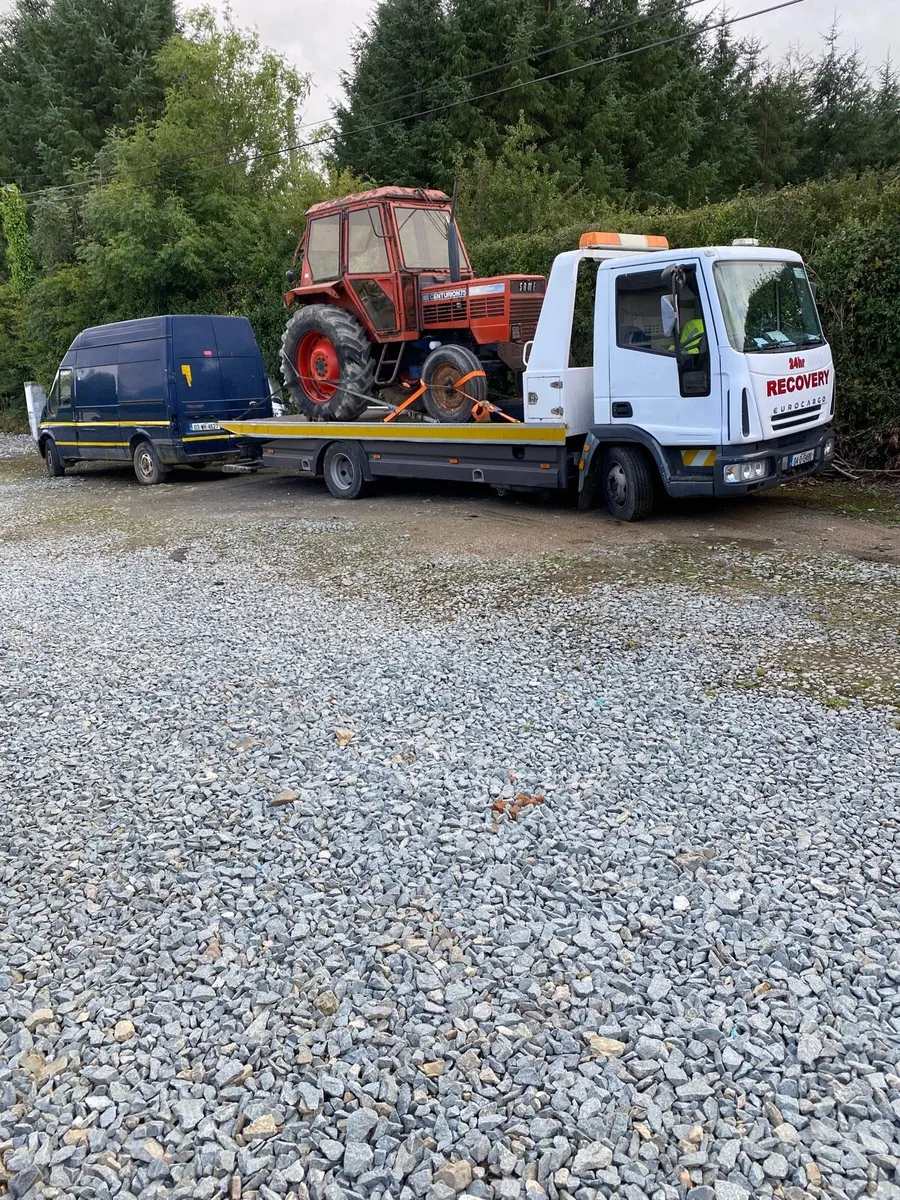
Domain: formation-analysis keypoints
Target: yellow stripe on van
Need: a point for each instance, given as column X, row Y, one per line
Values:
column 207, row 437
column 705, row 457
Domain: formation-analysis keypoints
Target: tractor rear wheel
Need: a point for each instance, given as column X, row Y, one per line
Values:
column 446, row 399
column 327, row 364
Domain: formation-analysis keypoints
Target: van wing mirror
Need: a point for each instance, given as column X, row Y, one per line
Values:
column 668, row 311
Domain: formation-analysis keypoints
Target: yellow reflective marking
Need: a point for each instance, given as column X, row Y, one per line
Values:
column 186, row 372
column 329, row 430
column 207, row 437
column 704, row 457
column 81, row 442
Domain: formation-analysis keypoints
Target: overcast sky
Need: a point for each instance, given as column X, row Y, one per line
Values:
column 314, row 34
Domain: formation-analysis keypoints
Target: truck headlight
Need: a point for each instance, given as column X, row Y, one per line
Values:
column 747, row 472
column 828, row 449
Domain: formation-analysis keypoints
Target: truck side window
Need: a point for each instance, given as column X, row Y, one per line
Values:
column 639, row 325
column 367, row 252
column 323, row 248
column 61, row 392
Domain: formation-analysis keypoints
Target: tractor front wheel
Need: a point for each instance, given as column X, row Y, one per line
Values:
column 447, row 398
column 327, row 364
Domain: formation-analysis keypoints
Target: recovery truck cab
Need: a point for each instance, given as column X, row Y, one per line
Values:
column 700, row 372
column 710, row 374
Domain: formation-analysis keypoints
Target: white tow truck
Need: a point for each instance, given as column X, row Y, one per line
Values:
column 709, row 376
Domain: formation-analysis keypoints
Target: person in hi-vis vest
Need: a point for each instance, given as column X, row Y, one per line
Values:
column 691, row 339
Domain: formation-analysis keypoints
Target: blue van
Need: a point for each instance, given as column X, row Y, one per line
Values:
column 152, row 392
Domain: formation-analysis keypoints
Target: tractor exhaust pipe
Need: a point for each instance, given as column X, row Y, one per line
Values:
column 453, row 238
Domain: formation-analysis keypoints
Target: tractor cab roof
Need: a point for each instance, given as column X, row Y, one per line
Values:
column 422, row 195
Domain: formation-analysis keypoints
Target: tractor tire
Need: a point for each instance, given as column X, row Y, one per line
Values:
column 627, row 484
column 443, row 367
column 327, row 364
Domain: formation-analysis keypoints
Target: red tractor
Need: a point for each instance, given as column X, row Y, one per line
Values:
column 386, row 299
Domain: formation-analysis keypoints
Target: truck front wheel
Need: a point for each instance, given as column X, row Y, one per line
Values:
column 627, row 483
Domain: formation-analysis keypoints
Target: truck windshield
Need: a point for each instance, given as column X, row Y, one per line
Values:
column 768, row 306
column 423, row 237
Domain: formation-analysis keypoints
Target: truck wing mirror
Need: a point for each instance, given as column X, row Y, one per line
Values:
column 668, row 311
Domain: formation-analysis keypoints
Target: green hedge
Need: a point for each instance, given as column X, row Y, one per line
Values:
column 848, row 231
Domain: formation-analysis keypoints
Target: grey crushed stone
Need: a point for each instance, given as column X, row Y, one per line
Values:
column 298, row 966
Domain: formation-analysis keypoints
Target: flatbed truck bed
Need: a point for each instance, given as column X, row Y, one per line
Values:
column 502, row 454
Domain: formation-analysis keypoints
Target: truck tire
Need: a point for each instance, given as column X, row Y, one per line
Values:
column 148, row 466
column 443, row 400
column 327, row 364
column 627, row 484
column 53, row 463
column 345, row 471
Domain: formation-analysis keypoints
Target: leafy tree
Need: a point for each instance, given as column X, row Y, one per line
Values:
column 202, row 209
column 70, row 70
column 400, row 66
column 841, row 130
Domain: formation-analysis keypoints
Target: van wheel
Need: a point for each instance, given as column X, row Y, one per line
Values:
column 344, row 471
column 627, row 484
column 147, row 464
column 53, row 464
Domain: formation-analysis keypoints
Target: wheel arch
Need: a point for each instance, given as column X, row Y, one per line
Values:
column 598, row 439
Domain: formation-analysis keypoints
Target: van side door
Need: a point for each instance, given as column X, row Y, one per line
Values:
column 97, row 405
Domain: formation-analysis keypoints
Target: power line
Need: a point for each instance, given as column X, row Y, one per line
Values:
column 610, row 29
column 596, row 62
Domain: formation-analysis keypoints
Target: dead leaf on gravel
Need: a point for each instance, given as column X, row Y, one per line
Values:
column 246, row 743
column 288, row 796
column 344, row 737
column 408, row 757
column 512, row 808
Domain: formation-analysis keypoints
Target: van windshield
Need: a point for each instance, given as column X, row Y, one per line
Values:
column 768, row 306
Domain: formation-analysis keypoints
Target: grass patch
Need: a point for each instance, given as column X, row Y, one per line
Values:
column 876, row 503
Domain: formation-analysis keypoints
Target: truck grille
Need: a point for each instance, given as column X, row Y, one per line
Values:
column 800, row 416
column 524, row 312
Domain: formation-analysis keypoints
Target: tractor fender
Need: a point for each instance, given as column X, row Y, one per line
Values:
column 313, row 295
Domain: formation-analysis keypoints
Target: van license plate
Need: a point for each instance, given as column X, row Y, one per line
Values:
column 805, row 456
column 203, row 426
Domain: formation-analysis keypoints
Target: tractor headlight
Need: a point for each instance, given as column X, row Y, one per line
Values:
column 747, row 472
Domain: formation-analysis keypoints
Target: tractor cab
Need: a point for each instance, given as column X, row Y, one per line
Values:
column 393, row 270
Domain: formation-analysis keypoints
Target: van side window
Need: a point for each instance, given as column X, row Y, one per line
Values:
column 323, row 248
column 140, row 382
column 61, row 392
column 96, row 387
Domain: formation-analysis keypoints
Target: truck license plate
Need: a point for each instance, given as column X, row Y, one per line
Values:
column 805, row 456
column 203, row 426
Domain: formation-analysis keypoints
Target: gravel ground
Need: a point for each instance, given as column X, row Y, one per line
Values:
column 272, row 922
column 14, row 445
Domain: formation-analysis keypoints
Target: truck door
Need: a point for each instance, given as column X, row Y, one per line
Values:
column 657, row 381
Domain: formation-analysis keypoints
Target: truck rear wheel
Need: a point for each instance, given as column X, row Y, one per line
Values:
column 447, row 399
column 327, row 364
column 344, row 471
column 627, row 484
